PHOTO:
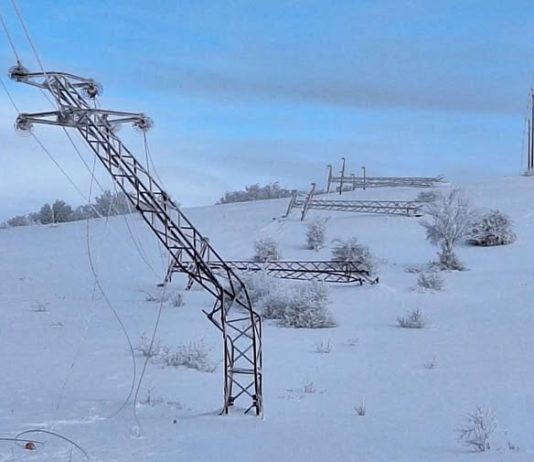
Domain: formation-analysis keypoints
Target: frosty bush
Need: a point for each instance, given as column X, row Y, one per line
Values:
column 478, row 429
column 431, row 281
column 301, row 306
column 259, row 286
column 148, row 349
column 450, row 219
column 493, row 228
column 308, row 308
column 413, row 320
column 323, row 347
column 428, row 196
column 276, row 303
column 351, row 251
column 316, row 234
column 177, row 300
column 160, row 298
column 194, row 355
column 266, row 249
column 360, row 409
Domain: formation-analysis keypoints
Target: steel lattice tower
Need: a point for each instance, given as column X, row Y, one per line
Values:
column 232, row 312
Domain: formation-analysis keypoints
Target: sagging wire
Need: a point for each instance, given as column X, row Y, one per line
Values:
column 111, row 307
column 91, row 263
column 57, row 435
column 135, row 241
column 149, row 162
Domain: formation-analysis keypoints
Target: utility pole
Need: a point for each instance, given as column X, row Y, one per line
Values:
column 364, row 176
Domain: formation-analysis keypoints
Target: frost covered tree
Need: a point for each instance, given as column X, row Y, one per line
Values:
column 255, row 192
column 493, row 228
column 61, row 212
column 46, row 215
column 450, row 218
column 316, row 234
column 19, row 220
column 266, row 249
column 350, row 251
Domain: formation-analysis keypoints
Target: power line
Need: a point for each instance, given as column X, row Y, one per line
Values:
column 9, row 39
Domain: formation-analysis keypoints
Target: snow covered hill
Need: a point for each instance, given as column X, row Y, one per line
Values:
column 67, row 368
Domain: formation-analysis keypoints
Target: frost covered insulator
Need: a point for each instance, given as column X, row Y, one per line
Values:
column 18, row 73
column 92, row 89
column 144, row 123
column 23, row 125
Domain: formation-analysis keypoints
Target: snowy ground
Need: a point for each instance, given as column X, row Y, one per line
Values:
column 67, row 367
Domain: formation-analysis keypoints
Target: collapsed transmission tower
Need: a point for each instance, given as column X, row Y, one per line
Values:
column 324, row 271
column 232, row 312
column 404, row 208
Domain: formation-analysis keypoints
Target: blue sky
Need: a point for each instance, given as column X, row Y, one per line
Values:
column 257, row 91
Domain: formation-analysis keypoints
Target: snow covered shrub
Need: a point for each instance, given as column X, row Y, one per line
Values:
column 323, row 347
column 428, row 196
column 493, row 228
column 412, row 320
column 160, row 298
column 478, row 429
column 351, row 251
column 430, row 280
column 147, row 349
column 360, row 409
column 259, row 286
column 40, row 307
column 431, row 364
column 276, row 303
column 177, row 300
column 307, row 308
column 301, row 306
column 266, row 249
column 194, row 355
column 316, row 234
column 309, row 387
column 450, row 218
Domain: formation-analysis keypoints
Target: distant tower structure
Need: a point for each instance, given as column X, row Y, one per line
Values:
column 530, row 140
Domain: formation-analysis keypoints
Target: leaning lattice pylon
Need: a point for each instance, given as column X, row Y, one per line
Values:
column 232, row 311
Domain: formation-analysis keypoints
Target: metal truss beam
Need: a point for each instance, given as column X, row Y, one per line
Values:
column 355, row 182
column 232, row 312
column 325, row 271
column 405, row 208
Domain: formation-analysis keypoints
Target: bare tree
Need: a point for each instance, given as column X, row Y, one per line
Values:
column 451, row 216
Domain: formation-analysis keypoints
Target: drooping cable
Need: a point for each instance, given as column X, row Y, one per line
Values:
column 57, row 435
column 112, row 308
